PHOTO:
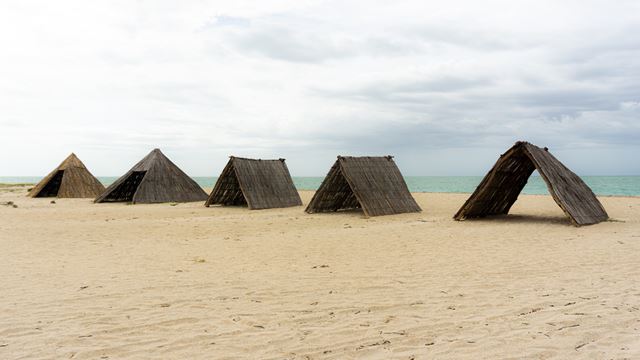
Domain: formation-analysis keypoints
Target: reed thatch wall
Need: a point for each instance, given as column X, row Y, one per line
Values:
column 155, row 179
column 501, row 186
column 259, row 184
column 374, row 184
column 71, row 179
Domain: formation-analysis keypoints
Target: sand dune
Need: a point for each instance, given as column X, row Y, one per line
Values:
column 111, row 281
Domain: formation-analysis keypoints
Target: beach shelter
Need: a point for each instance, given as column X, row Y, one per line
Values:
column 373, row 184
column 155, row 179
column 258, row 184
column 70, row 179
column 501, row 186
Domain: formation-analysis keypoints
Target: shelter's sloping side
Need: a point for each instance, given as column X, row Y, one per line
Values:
column 163, row 181
column 227, row 189
column 266, row 183
column 378, row 185
column 76, row 181
column 575, row 198
column 79, row 183
column 333, row 194
column 500, row 188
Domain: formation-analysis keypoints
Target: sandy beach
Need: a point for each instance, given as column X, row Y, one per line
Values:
column 182, row 281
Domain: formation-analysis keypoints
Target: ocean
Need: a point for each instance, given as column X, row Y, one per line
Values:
column 601, row 185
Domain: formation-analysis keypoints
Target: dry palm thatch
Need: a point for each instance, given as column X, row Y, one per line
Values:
column 70, row 179
column 259, row 184
column 155, row 179
column 374, row 184
column 501, row 186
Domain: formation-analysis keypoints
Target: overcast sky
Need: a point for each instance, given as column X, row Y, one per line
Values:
column 445, row 86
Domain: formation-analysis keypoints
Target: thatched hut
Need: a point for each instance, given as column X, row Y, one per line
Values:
column 501, row 186
column 258, row 184
column 373, row 184
column 155, row 179
column 71, row 179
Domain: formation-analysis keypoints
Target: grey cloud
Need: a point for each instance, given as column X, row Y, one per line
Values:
column 476, row 39
column 318, row 43
column 442, row 84
column 476, row 95
column 462, row 111
column 184, row 94
column 231, row 21
column 556, row 103
column 393, row 136
column 407, row 92
column 224, row 20
column 321, row 43
column 289, row 45
column 608, row 45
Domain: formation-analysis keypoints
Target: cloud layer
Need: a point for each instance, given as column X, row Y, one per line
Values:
column 445, row 87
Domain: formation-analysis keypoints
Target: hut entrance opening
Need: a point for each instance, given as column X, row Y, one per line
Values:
column 52, row 187
column 507, row 182
column 338, row 194
column 126, row 190
column 230, row 193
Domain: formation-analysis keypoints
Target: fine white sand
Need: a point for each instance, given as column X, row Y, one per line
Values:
column 114, row 281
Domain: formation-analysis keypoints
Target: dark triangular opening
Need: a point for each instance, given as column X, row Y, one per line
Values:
column 509, row 180
column 127, row 189
column 53, row 186
column 343, row 197
column 500, row 189
column 334, row 194
column 227, row 190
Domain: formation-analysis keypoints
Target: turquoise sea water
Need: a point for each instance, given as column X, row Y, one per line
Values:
column 601, row 185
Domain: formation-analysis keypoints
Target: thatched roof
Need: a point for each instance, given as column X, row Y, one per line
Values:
column 70, row 179
column 374, row 184
column 155, row 179
column 259, row 184
column 501, row 186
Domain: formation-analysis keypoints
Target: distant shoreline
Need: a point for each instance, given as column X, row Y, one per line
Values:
column 12, row 185
column 600, row 185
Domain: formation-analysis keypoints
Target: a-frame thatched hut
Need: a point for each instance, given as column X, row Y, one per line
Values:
column 258, row 184
column 70, row 179
column 155, row 179
column 501, row 186
column 374, row 184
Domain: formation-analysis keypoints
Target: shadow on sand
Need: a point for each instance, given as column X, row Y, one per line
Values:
column 525, row 219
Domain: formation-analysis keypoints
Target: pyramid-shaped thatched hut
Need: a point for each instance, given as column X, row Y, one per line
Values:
column 501, row 186
column 258, row 184
column 155, row 179
column 70, row 179
column 374, row 184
